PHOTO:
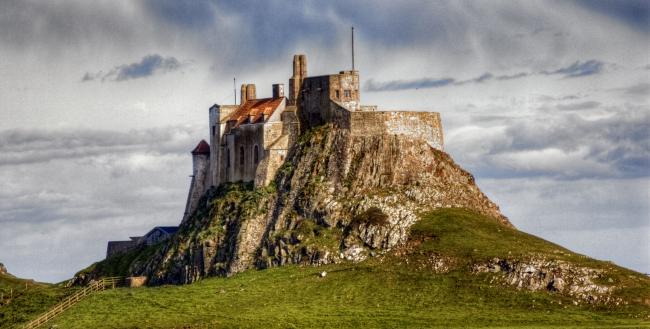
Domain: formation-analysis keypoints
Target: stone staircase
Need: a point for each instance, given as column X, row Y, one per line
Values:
column 95, row 286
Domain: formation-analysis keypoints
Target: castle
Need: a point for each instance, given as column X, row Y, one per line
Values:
column 249, row 141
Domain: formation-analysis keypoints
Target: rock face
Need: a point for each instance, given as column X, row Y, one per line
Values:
column 3, row 269
column 336, row 197
column 553, row 275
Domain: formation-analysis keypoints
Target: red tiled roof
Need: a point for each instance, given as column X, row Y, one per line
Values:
column 255, row 110
column 202, row 148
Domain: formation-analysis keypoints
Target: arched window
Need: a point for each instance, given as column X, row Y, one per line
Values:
column 241, row 155
column 256, row 154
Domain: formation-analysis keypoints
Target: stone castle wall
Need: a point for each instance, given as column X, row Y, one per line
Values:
column 417, row 125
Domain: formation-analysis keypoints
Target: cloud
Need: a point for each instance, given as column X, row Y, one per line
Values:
column 578, row 106
column 480, row 79
column 148, row 66
column 641, row 89
column 21, row 147
column 371, row 85
column 512, row 76
column 635, row 13
column 575, row 70
column 559, row 143
column 579, row 69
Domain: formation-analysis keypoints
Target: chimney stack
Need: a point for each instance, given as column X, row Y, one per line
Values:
column 242, row 94
column 250, row 92
column 247, row 92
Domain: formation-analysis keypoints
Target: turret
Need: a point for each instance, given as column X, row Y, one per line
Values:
column 200, row 163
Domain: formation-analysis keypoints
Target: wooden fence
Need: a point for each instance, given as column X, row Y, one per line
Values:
column 94, row 286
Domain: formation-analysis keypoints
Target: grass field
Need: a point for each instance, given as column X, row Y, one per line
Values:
column 384, row 292
column 22, row 300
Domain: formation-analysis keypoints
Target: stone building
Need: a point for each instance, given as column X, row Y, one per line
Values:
column 116, row 247
column 250, row 140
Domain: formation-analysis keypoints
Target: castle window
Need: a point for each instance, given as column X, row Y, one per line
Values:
column 338, row 94
column 347, row 93
column 241, row 155
column 227, row 158
column 214, row 130
column 256, row 155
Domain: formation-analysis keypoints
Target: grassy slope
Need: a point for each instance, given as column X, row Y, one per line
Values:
column 384, row 292
column 25, row 299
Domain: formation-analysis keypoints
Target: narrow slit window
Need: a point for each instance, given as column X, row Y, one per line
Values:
column 256, row 154
column 241, row 155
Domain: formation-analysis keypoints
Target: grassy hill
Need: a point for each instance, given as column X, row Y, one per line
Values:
column 24, row 299
column 443, row 277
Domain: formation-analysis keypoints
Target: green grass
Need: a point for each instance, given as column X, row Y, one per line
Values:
column 386, row 292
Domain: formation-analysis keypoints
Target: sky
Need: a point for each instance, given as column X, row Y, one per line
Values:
column 546, row 103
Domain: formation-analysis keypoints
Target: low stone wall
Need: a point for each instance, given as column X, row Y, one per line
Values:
column 418, row 125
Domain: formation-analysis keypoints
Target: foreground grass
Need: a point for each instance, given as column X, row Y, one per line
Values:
column 386, row 292
column 349, row 296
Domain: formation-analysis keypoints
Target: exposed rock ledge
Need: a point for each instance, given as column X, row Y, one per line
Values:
column 552, row 275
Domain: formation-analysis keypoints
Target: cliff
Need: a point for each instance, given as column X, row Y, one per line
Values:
column 337, row 197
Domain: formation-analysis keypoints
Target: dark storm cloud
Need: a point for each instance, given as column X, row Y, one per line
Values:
column 18, row 147
column 146, row 67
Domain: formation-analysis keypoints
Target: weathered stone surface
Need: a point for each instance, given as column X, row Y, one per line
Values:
column 3, row 269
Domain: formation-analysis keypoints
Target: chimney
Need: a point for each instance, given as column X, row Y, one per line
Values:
column 303, row 66
column 243, row 94
column 247, row 92
column 278, row 90
column 250, row 92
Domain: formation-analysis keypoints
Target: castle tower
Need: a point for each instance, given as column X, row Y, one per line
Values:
column 295, row 83
column 200, row 164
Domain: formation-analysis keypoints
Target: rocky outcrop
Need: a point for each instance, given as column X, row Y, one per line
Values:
column 3, row 269
column 538, row 274
column 337, row 197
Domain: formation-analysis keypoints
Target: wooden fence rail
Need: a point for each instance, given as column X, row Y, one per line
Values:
column 94, row 286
